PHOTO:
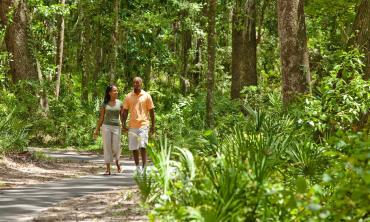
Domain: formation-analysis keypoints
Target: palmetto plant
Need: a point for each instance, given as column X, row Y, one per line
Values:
column 12, row 138
column 145, row 183
column 307, row 157
column 188, row 165
column 261, row 144
column 162, row 162
column 259, row 152
column 226, row 194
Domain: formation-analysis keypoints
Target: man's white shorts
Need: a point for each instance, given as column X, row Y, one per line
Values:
column 137, row 138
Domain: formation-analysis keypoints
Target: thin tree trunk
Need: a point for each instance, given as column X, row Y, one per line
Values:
column 186, row 45
column 22, row 63
column 261, row 19
column 197, row 64
column 98, row 64
column 237, row 50
column 361, row 39
column 249, row 76
column 44, row 102
column 361, row 33
column 147, row 74
column 293, row 48
column 211, row 62
column 60, row 47
column 113, row 70
column 82, row 63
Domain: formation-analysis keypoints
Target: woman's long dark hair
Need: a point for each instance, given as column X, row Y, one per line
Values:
column 107, row 91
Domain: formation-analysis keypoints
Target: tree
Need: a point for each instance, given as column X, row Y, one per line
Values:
column 17, row 40
column 361, row 33
column 249, row 74
column 244, row 46
column 237, row 50
column 211, row 51
column 60, row 47
column 293, row 48
column 361, row 39
column 116, row 8
column 186, row 46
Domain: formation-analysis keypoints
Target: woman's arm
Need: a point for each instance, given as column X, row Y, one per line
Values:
column 124, row 114
column 100, row 122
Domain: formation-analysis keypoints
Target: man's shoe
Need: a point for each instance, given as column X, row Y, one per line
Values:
column 138, row 170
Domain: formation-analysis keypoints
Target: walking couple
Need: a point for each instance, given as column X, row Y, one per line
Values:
column 140, row 105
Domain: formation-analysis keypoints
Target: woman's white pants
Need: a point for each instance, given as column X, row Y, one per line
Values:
column 111, row 142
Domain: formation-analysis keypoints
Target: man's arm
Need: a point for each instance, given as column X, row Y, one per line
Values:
column 152, row 117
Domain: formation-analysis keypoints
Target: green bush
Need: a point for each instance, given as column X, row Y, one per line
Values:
column 268, row 167
column 339, row 99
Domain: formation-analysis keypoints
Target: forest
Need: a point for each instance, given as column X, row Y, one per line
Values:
column 262, row 106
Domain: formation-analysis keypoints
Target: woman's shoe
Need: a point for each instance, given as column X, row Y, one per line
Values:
column 106, row 173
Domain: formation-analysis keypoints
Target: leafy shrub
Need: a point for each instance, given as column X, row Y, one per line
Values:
column 339, row 100
column 13, row 135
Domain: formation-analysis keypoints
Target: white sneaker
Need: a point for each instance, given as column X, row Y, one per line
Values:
column 138, row 170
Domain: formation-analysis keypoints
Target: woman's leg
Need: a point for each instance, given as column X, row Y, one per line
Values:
column 107, row 172
column 107, row 144
column 118, row 166
column 116, row 145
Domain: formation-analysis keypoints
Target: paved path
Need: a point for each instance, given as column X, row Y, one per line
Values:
column 22, row 204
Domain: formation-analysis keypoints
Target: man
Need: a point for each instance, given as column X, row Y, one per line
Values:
column 140, row 105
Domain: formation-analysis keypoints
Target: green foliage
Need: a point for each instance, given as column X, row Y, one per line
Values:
column 269, row 167
column 13, row 135
column 340, row 98
column 262, row 162
column 349, row 177
column 145, row 183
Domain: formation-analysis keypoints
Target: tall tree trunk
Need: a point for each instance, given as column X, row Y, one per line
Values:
column 361, row 31
column 237, row 49
column 293, row 48
column 186, row 45
column 98, row 64
column 264, row 5
column 196, row 73
column 44, row 102
column 113, row 70
column 60, row 47
column 249, row 76
column 147, row 74
column 361, row 39
column 22, row 63
column 211, row 62
column 81, row 61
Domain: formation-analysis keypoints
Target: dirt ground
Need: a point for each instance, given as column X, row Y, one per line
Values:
column 118, row 205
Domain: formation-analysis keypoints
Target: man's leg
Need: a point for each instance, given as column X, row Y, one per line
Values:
column 143, row 156
column 133, row 145
column 136, row 157
column 143, row 133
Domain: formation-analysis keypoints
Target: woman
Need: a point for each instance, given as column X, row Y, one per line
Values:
column 111, row 131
